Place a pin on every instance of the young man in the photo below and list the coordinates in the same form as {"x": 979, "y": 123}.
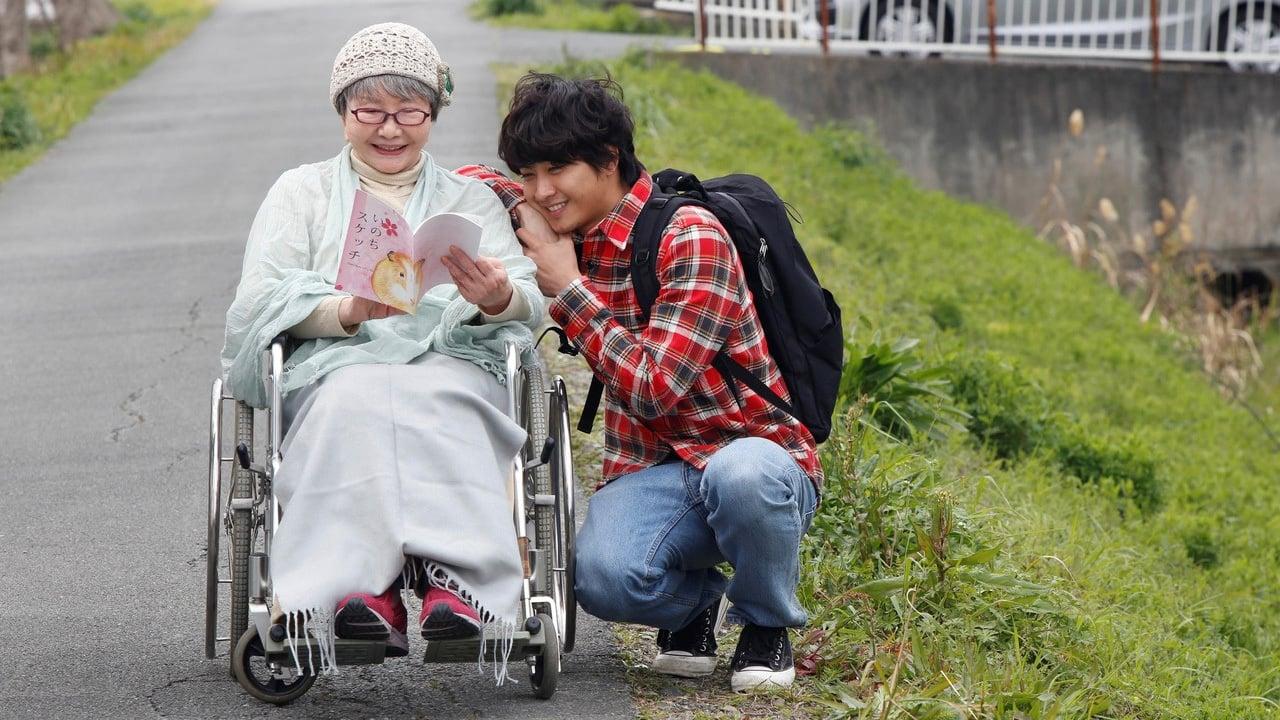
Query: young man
{"x": 696, "y": 473}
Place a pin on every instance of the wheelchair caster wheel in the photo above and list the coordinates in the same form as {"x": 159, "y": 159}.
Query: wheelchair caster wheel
{"x": 268, "y": 682}
{"x": 545, "y": 673}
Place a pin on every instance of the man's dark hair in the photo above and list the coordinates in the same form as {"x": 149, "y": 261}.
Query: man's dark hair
{"x": 558, "y": 120}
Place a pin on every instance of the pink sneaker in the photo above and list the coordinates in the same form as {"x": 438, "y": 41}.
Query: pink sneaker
{"x": 446, "y": 617}
{"x": 374, "y": 617}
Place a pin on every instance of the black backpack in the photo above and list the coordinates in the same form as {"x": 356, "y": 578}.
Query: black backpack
{"x": 801, "y": 320}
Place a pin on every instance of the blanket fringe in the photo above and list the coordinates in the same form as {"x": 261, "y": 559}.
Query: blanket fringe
{"x": 317, "y": 622}
{"x": 502, "y": 633}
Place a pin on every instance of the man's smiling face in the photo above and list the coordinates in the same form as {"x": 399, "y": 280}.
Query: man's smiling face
{"x": 573, "y": 196}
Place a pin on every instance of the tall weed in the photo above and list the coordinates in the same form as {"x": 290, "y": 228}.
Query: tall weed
{"x": 899, "y": 394}
{"x": 1165, "y": 273}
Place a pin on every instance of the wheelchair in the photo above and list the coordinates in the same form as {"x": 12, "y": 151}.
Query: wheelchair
{"x": 245, "y": 510}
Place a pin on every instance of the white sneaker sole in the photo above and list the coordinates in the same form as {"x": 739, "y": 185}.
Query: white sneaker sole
{"x": 681, "y": 664}
{"x": 761, "y": 678}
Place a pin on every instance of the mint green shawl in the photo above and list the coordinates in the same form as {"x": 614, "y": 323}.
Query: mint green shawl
{"x": 291, "y": 262}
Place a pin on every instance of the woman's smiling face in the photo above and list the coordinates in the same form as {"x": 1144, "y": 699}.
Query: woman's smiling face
{"x": 389, "y": 146}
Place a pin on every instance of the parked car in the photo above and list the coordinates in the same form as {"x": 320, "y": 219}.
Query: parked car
{"x": 1243, "y": 33}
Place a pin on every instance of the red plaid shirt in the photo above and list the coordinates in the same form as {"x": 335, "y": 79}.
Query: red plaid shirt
{"x": 662, "y": 394}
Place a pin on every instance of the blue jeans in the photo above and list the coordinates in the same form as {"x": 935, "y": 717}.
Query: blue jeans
{"x": 648, "y": 549}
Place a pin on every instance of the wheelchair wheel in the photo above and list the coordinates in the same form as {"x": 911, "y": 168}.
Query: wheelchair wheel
{"x": 565, "y": 519}
{"x": 275, "y": 684}
{"x": 241, "y": 529}
{"x": 544, "y": 675}
{"x": 533, "y": 399}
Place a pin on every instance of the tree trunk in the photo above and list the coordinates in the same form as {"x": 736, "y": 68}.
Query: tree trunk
{"x": 13, "y": 36}
{"x": 79, "y": 19}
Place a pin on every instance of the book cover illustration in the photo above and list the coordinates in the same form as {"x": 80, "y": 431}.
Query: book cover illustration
{"x": 383, "y": 261}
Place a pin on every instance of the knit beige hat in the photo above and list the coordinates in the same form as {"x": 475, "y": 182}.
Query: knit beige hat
{"x": 390, "y": 49}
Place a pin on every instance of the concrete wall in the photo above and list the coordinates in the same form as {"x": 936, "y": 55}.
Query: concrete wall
{"x": 991, "y": 133}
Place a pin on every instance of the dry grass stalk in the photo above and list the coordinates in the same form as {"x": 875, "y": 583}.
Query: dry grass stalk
{"x": 1169, "y": 279}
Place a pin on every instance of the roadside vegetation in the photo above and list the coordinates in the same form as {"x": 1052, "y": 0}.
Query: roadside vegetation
{"x": 38, "y": 106}
{"x": 588, "y": 15}
{"x": 1037, "y": 505}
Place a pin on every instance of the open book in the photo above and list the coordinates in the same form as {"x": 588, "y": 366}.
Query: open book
{"x": 383, "y": 261}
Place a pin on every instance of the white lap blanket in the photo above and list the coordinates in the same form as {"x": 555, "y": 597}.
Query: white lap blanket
{"x": 384, "y": 462}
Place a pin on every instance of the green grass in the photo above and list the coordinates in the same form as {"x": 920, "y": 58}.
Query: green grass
{"x": 588, "y": 15}
{"x": 1103, "y": 541}
{"x": 62, "y": 88}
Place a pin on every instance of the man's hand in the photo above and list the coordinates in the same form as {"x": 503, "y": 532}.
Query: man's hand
{"x": 552, "y": 253}
{"x": 355, "y": 310}
{"x": 483, "y": 282}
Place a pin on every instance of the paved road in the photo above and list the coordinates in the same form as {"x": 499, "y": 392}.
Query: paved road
{"x": 121, "y": 249}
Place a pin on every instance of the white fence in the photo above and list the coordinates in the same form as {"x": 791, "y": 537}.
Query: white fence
{"x": 1243, "y": 33}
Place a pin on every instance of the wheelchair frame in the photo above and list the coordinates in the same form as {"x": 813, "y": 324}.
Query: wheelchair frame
{"x": 542, "y": 483}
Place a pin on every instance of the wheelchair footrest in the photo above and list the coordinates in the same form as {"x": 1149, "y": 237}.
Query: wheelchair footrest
{"x": 468, "y": 649}
{"x": 349, "y": 652}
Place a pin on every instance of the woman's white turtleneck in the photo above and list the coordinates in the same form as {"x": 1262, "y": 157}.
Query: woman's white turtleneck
{"x": 394, "y": 189}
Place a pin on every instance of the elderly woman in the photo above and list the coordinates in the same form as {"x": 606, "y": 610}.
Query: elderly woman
{"x": 398, "y": 439}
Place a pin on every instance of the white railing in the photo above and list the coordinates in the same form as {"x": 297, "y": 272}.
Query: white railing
{"x": 1243, "y": 33}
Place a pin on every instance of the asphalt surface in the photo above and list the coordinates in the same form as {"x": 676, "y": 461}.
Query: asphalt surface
{"x": 120, "y": 250}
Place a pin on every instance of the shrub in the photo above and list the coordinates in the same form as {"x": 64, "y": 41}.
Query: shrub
{"x": 138, "y": 13}
{"x": 42, "y": 44}
{"x": 627, "y": 19}
{"x": 1007, "y": 412}
{"x": 1125, "y": 462}
{"x": 17, "y": 127}
{"x": 946, "y": 313}
{"x": 850, "y": 147}
{"x": 1201, "y": 548}
{"x": 497, "y": 8}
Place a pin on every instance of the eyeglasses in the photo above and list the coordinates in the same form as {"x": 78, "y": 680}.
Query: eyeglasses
{"x": 374, "y": 116}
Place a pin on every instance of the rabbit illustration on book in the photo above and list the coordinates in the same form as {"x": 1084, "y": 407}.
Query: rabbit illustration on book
{"x": 396, "y": 279}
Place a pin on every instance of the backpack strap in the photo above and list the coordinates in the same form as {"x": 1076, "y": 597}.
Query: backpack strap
{"x": 732, "y": 369}
{"x": 646, "y": 235}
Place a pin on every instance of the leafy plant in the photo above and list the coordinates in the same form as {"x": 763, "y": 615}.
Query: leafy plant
{"x": 901, "y": 396}
{"x": 1006, "y": 412}
{"x": 17, "y": 126}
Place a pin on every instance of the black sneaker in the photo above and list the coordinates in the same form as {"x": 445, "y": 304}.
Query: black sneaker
{"x": 691, "y": 650}
{"x": 762, "y": 660}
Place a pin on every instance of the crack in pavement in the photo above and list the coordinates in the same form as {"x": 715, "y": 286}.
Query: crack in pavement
{"x": 180, "y": 457}
{"x": 188, "y": 331}
{"x": 135, "y": 418}
{"x": 151, "y": 696}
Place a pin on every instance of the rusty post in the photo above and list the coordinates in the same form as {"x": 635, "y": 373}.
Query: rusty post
{"x": 1155, "y": 35}
{"x": 824, "y": 19}
{"x": 702, "y": 24}
{"x": 991, "y": 29}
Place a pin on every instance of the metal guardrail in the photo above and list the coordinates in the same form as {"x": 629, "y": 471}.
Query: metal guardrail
{"x": 1245, "y": 34}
